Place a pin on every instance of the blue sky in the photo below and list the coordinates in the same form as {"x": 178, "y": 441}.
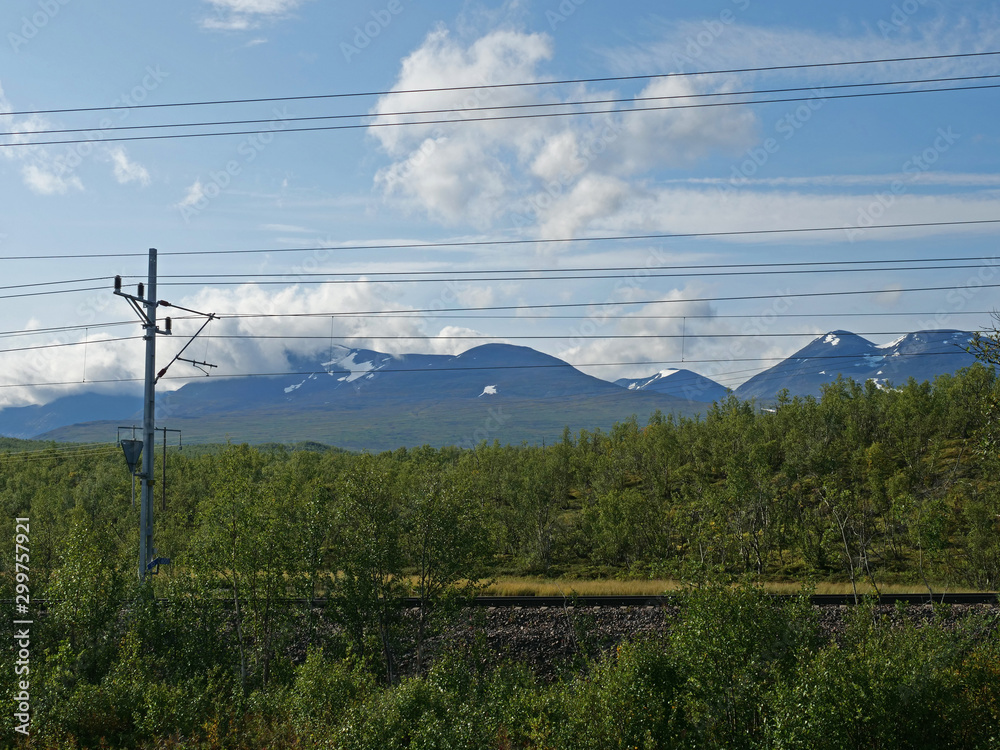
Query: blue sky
{"x": 821, "y": 162}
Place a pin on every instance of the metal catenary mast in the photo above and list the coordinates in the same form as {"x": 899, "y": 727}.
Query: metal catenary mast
{"x": 145, "y": 306}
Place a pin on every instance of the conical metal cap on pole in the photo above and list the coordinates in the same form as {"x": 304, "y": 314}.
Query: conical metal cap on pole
{"x": 132, "y": 450}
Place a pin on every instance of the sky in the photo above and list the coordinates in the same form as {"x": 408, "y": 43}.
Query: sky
{"x": 400, "y": 204}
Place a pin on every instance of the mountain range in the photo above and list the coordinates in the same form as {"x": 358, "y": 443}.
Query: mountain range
{"x": 922, "y": 356}
{"x": 364, "y": 399}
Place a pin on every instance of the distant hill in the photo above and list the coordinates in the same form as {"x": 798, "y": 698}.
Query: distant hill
{"x": 28, "y": 421}
{"x": 922, "y": 355}
{"x": 363, "y": 399}
{"x": 680, "y": 383}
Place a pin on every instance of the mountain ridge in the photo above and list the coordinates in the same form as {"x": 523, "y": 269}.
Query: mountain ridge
{"x": 442, "y": 398}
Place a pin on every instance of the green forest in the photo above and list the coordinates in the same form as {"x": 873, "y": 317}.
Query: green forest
{"x": 864, "y": 486}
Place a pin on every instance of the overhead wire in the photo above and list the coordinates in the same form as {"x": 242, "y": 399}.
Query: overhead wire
{"x": 494, "y": 118}
{"x": 515, "y": 242}
{"x": 529, "y": 336}
{"x": 521, "y": 84}
{"x": 64, "y": 344}
{"x": 558, "y": 269}
{"x": 311, "y": 278}
{"x": 619, "y": 303}
{"x": 593, "y": 239}
{"x": 488, "y": 108}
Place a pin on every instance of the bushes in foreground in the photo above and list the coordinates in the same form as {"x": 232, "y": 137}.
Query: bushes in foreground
{"x": 737, "y": 671}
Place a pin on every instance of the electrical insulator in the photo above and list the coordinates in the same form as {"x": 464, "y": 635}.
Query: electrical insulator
{"x": 118, "y": 283}
{"x": 142, "y": 288}
{"x": 167, "y": 324}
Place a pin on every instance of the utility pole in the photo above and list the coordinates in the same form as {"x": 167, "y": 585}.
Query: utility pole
{"x": 146, "y": 551}
{"x": 145, "y": 304}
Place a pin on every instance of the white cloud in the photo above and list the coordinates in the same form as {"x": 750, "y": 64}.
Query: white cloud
{"x": 241, "y": 15}
{"x": 257, "y": 7}
{"x": 455, "y": 340}
{"x": 195, "y": 194}
{"x": 126, "y": 170}
{"x": 45, "y": 182}
{"x": 949, "y": 179}
{"x": 680, "y": 137}
{"x": 272, "y": 354}
{"x": 591, "y": 200}
{"x": 460, "y": 173}
{"x": 661, "y": 339}
{"x": 282, "y": 228}
{"x": 228, "y": 23}
{"x": 658, "y": 209}
{"x": 488, "y": 173}
{"x": 674, "y": 46}
{"x": 564, "y": 176}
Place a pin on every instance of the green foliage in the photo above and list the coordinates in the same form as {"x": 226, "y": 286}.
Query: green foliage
{"x": 885, "y": 686}
{"x": 730, "y": 646}
{"x": 323, "y": 691}
{"x": 368, "y": 554}
{"x": 868, "y": 484}
{"x": 628, "y": 701}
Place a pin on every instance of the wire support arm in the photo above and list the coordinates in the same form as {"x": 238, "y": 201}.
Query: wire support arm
{"x": 209, "y": 317}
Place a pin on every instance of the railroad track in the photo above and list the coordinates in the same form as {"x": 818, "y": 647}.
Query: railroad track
{"x": 537, "y": 602}
{"x": 819, "y": 600}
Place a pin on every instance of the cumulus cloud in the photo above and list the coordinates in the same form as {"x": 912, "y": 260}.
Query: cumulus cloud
{"x": 677, "y": 329}
{"x": 126, "y": 170}
{"x": 265, "y": 344}
{"x": 500, "y": 172}
{"x": 463, "y": 172}
{"x": 680, "y": 137}
{"x": 565, "y": 176}
{"x": 247, "y": 344}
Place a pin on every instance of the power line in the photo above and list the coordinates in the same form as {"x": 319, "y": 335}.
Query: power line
{"x": 53, "y": 291}
{"x": 266, "y": 279}
{"x": 56, "y": 283}
{"x": 494, "y": 118}
{"x": 558, "y": 305}
{"x": 63, "y": 329}
{"x": 606, "y": 79}
{"x": 513, "y": 242}
{"x": 87, "y": 451}
{"x": 61, "y": 345}
{"x": 519, "y": 337}
{"x": 493, "y": 108}
{"x": 676, "y": 316}
{"x": 557, "y": 269}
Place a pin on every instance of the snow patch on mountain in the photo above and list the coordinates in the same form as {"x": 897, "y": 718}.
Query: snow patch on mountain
{"x": 355, "y": 369}
{"x": 295, "y": 387}
{"x": 894, "y": 343}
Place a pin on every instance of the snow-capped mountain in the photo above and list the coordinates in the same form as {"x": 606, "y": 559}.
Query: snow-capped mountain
{"x": 680, "y": 383}
{"x": 361, "y": 398}
{"x": 922, "y": 355}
